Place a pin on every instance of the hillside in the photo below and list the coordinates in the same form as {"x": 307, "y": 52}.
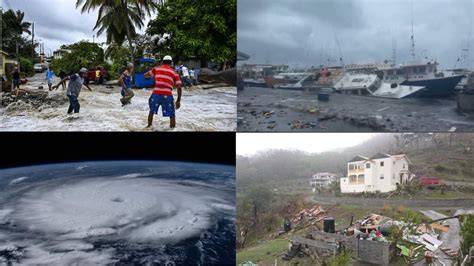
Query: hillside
{"x": 448, "y": 156}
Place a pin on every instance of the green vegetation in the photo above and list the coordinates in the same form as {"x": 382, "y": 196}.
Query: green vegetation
{"x": 26, "y": 67}
{"x": 83, "y": 54}
{"x": 262, "y": 212}
{"x": 467, "y": 233}
{"x": 265, "y": 252}
{"x": 13, "y": 30}
{"x": 119, "y": 56}
{"x": 343, "y": 259}
{"x": 119, "y": 18}
{"x": 192, "y": 29}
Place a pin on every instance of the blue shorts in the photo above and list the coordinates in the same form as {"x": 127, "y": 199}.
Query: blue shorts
{"x": 165, "y": 101}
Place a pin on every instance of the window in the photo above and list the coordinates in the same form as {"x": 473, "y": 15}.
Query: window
{"x": 381, "y": 164}
{"x": 393, "y": 162}
{"x": 351, "y": 167}
{"x": 367, "y": 165}
{"x": 403, "y": 166}
{"x": 360, "y": 179}
{"x": 381, "y": 176}
{"x": 352, "y": 179}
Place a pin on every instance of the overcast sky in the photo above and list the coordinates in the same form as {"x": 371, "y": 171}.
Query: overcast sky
{"x": 57, "y": 22}
{"x": 304, "y": 32}
{"x": 250, "y": 143}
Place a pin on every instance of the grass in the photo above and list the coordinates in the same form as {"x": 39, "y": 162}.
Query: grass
{"x": 449, "y": 164}
{"x": 264, "y": 253}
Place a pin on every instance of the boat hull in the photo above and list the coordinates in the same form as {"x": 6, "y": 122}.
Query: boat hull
{"x": 271, "y": 81}
{"x": 436, "y": 87}
{"x": 254, "y": 84}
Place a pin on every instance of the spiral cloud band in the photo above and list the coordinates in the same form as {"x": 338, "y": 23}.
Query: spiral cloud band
{"x": 138, "y": 210}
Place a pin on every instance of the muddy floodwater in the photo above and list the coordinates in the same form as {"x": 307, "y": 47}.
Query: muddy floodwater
{"x": 201, "y": 110}
{"x": 263, "y": 109}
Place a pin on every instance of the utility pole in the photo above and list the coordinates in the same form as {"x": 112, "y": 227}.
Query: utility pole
{"x": 17, "y": 55}
{"x": 33, "y": 43}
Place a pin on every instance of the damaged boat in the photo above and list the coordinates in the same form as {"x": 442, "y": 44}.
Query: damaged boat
{"x": 324, "y": 79}
{"x": 425, "y": 75}
{"x": 372, "y": 85}
{"x": 284, "y": 78}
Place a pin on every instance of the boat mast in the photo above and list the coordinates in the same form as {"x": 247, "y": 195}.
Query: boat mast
{"x": 466, "y": 50}
{"x": 394, "y": 52}
{"x": 412, "y": 34}
{"x": 340, "y": 52}
{"x": 464, "y": 58}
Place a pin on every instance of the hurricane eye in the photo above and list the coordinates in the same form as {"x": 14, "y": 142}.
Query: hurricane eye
{"x": 116, "y": 199}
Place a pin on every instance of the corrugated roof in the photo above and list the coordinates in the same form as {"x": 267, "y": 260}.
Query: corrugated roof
{"x": 380, "y": 156}
{"x": 358, "y": 158}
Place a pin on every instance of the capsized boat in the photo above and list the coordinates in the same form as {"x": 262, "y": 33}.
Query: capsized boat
{"x": 372, "y": 85}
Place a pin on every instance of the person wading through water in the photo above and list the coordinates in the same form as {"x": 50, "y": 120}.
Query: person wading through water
{"x": 126, "y": 82}
{"x": 76, "y": 81}
{"x": 166, "y": 78}
{"x": 49, "y": 77}
{"x": 15, "y": 79}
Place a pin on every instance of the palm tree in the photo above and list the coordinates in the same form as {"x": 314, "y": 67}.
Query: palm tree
{"x": 14, "y": 20}
{"x": 119, "y": 18}
{"x": 13, "y": 27}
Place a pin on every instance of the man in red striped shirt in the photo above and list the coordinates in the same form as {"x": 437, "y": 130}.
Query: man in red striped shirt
{"x": 166, "y": 78}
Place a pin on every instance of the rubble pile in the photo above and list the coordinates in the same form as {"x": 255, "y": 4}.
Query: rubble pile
{"x": 315, "y": 214}
{"x": 381, "y": 234}
{"x": 32, "y": 100}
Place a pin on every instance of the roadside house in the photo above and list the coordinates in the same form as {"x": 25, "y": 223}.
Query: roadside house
{"x": 58, "y": 54}
{"x": 381, "y": 172}
{"x": 323, "y": 179}
{"x": 6, "y": 64}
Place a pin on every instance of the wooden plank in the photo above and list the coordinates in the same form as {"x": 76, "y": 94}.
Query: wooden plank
{"x": 440, "y": 227}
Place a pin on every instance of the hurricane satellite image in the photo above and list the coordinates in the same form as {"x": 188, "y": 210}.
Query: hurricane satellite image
{"x": 151, "y": 212}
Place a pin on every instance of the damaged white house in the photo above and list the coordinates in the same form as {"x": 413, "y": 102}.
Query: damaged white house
{"x": 322, "y": 179}
{"x": 381, "y": 172}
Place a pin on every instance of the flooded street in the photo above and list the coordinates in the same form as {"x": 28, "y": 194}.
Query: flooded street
{"x": 262, "y": 109}
{"x": 201, "y": 110}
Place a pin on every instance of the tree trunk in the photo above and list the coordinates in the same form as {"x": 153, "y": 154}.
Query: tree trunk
{"x": 129, "y": 33}
{"x": 130, "y": 43}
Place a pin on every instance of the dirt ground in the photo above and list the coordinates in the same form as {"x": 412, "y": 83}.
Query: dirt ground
{"x": 201, "y": 110}
{"x": 262, "y": 109}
